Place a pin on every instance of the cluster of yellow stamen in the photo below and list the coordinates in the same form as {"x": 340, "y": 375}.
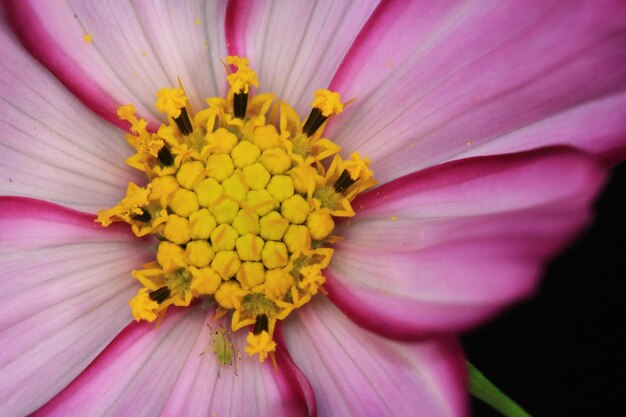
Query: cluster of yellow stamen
{"x": 242, "y": 202}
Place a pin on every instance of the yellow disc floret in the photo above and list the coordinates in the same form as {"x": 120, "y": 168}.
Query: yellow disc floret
{"x": 242, "y": 207}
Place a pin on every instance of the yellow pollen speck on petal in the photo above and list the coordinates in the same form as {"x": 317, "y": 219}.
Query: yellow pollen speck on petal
{"x": 260, "y": 344}
{"x": 88, "y": 38}
{"x": 393, "y": 218}
{"x": 198, "y": 21}
{"x": 241, "y": 198}
{"x": 328, "y": 102}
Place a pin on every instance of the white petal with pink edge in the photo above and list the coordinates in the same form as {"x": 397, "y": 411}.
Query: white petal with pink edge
{"x": 358, "y": 373}
{"x": 171, "y": 370}
{"x": 445, "y": 248}
{"x": 51, "y": 146}
{"x": 66, "y": 285}
{"x": 295, "y": 46}
{"x": 435, "y": 79}
{"x": 136, "y": 48}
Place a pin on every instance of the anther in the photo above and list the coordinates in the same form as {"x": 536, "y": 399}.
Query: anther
{"x": 315, "y": 120}
{"x": 160, "y": 295}
{"x": 165, "y": 156}
{"x": 145, "y": 216}
{"x": 183, "y": 122}
{"x": 261, "y": 324}
{"x": 240, "y": 104}
{"x": 343, "y": 182}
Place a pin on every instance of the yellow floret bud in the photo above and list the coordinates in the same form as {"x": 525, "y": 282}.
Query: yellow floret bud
{"x": 205, "y": 281}
{"x": 229, "y": 295}
{"x": 244, "y": 154}
{"x": 261, "y": 202}
{"x": 170, "y": 101}
{"x": 274, "y": 255}
{"x": 176, "y": 229}
{"x": 226, "y": 263}
{"x": 208, "y": 192}
{"x": 163, "y": 189}
{"x": 295, "y": 209}
{"x": 261, "y": 344}
{"x": 256, "y": 176}
{"x": 219, "y": 167}
{"x": 184, "y": 202}
{"x": 328, "y": 102}
{"x": 297, "y": 238}
{"x": 249, "y": 247}
{"x": 235, "y": 186}
{"x": 241, "y": 80}
{"x": 190, "y": 174}
{"x": 273, "y": 226}
{"x": 170, "y": 256}
{"x": 320, "y": 224}
{"x": 275, "y": 160}
{"x": 251, "y": 274}
{"x": 303, "y": 177}
{"x": 277, "y": 283}
{"x": 280, "y": 187}
{"x": 246, "y": 222}
{"x": 221, "y": 141}
{"x": 223, "y": 237}
{"x": 199, "y": 253}
{"x": 266, "y": 137}
{"x": 225, "y": 211}
{"x": 142, "y": 307}
{"x": 201, "y": 224}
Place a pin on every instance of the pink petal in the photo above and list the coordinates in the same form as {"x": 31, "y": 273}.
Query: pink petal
{"x": 51, "y": 146}
{"x": 295, "y": 47}
{"x": 170, "y": 370}
{"x": 137, "y": 48}
{"x": 445, "y": 248}
{"x": 437, "y": 79}
{"x": 66, "y": 285}
{"x": 358, "y": 373}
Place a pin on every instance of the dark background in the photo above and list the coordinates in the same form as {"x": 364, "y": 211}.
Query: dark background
{"x": 563, "y": 352}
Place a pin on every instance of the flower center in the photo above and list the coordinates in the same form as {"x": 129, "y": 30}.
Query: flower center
{"x": 243, "y": 210}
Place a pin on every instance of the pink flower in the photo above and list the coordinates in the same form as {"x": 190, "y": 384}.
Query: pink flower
{"x": 464, "y": 108}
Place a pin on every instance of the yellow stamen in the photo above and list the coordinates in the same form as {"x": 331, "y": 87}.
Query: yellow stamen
{"x": 241, "y": 80}
{"x": 328, "y": 102}
{"x": 260, "y": 344}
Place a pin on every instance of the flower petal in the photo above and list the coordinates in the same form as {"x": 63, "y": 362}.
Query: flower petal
{"x": 173, "y": 372}
{"x": 66, "y": 285}
{"x": 447, "y": 247}
{"x": 436, "y": 79}
{"x": 123, "y": 63}
{"x": 357, "y": 373}
{"x": 51, "y": 146}
{"x": 295, "y": 47}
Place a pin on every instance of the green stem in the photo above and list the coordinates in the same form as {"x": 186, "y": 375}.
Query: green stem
{"x": 483, "y": 389}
